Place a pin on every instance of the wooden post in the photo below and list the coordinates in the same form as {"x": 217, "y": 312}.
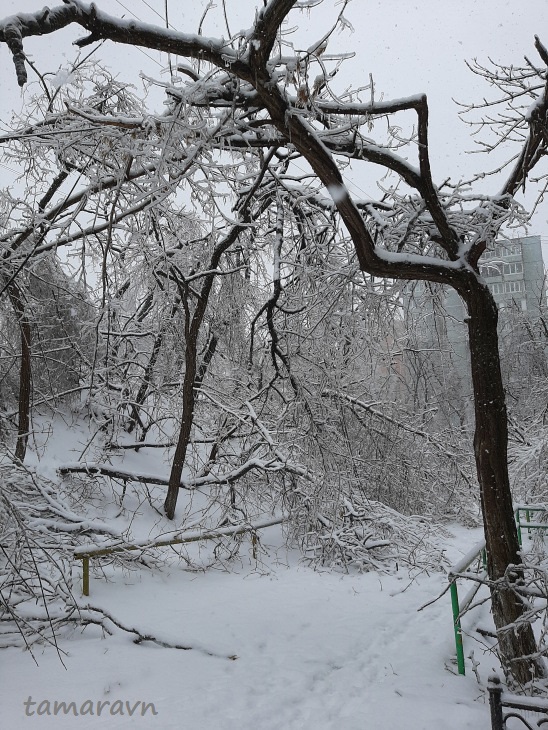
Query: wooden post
{"x": 85, "y": 575}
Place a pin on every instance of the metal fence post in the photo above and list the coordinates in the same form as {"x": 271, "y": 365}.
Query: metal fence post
{"x": 495, "y": 702}
{"x": 457, "y": 627}
{"x": 518, "y": 525}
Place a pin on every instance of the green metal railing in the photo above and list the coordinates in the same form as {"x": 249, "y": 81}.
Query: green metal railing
{"x": 459, "y": 571}
{"x": 529, "y": 509}
{"x": 86, "y": 552}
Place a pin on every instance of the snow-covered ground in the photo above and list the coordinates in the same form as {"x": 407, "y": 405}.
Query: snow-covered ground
{"x": 314, "y": 650}
{"x": 275, "y": 645}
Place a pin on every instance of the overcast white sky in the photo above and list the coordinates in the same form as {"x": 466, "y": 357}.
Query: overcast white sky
{"x": 408, "y": 47}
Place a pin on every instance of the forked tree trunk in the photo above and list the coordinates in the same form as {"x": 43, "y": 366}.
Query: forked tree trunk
{"x": 517, "y": 645}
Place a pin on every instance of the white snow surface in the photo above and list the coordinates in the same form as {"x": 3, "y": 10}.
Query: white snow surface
{"x": 314, "y": 649}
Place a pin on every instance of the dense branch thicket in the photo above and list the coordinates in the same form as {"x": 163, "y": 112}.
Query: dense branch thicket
{"x": 242, "y": 294}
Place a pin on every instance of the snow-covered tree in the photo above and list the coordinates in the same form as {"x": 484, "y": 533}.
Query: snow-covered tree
{"x": 269, "y": 100}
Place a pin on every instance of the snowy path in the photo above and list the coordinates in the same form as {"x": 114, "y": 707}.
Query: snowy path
{"x": 315, "y": 651}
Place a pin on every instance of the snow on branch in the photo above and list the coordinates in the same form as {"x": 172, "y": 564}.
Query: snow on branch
{"x": 175, "y": 537}
{"x": 101, "y": 26}
{"x": 266, "y": 465}
{"x": 372, "y": 108}
{"x": 266, "y": 29}
{"x": 38, "y": 531}
{"x": 297, "y": 125}
{"x": 17, "y": 27}
{"x": 364, "y": 534}
{"x": 89, "y": 615}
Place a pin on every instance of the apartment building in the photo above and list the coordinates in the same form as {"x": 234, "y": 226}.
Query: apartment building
{"x": 514, "y": 271}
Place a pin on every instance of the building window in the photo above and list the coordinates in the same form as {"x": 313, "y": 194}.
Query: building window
{"x": 511, "y": 287}
{"x": 516, "y": 267}
{"x": 491, "y": 270}
{"x": 496, "y": 269}
{"x": 502, "y": 251}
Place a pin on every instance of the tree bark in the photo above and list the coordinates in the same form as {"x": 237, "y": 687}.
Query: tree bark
{"x": 25, "y": 372}
{"x": 516, "y": 644}
{"x": 193, "y": 324}
{"x": 145, "y": 386}
{"x": 183, "y": 441}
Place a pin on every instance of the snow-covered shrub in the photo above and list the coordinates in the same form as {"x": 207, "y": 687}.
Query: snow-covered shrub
{"x": 39, "y": 530}
{"x": 35, "y": 562}
{"x": 354, "y": 532}
{"x": 528, "y": 460}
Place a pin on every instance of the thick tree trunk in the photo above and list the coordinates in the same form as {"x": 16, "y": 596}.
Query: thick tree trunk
{"x": 517, "y": 645}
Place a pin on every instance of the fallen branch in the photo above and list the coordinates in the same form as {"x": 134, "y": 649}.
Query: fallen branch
{"x": 271, "y": 465}
{"x": 140, "y": 637}
{"x": 175, "y": 538}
